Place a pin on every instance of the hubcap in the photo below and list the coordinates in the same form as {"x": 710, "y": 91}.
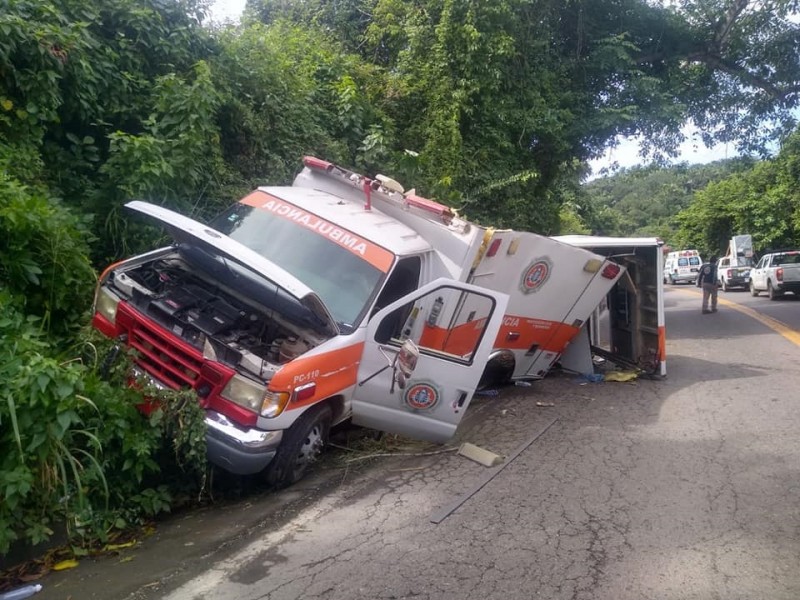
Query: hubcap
{"x": 311, "y": 448}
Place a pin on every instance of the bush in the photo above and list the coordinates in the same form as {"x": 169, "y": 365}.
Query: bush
{"x": 44, "y": 253}
{"x": 75, "y": 449}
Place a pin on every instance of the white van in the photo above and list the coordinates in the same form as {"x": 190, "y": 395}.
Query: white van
{"x": 682, "y": 266}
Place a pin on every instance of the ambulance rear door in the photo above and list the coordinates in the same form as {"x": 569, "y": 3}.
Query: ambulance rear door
{"x": 423, "y": 357}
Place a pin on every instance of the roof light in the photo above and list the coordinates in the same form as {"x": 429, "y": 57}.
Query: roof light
{"x": 313, "y": 162}
{"x": 429, "y": 205}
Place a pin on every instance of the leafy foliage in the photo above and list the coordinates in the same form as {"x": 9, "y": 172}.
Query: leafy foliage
{"x": 763, "y": 201}
{"x": 43, "y": 256}
{"x": 643, "y": 201}
{"x": 75, "y": 449}
{"x": 501, "y": 98}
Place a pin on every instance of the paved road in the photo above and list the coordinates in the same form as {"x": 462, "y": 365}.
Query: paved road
{"x": 785, "y": 309}
{"x": 682, "y": 488}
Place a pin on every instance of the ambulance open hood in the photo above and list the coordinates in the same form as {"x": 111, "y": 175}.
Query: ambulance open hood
{"x": 184, "y": 229}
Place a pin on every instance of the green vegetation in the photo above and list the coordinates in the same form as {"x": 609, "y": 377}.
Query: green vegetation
{"x": 702, "y": 206}
{"x": 644, "y": 201}
{"x": 763, "y": 201}
{"x": 492, "y": 106}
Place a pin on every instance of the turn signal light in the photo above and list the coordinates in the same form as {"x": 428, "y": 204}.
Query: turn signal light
{"x": 304, "y": 392}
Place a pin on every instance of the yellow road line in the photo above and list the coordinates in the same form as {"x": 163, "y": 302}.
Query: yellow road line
{"x": 776, "y": 326}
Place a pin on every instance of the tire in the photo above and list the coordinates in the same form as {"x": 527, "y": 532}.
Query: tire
{"x": 498, "y": 371}
{"x": 301, "y": 446}
{"x": 753, "y": 290}
{"x": 772, "y": 292}
{"x": 725, "y": 287}
{"x": 671, "y": 280}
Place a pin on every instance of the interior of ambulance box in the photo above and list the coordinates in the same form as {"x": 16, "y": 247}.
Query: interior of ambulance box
{"x": 626, "y": 331}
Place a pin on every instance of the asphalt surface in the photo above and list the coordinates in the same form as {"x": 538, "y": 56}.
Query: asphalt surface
{"x": 681, "y": 488}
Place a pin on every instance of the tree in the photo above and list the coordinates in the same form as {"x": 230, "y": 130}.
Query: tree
{"x": 763, "y": 201}
{"x": 500, "y": 98}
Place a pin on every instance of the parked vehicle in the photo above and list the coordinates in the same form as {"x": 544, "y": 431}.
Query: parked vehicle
{"x": 341, "y": 297}
{"x": 682, "y": 266}
{"x": 776, "y": 273}
{"x": 733, "y": 269}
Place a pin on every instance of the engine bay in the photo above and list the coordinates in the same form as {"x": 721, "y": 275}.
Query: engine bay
{"x": 216, "y": 319}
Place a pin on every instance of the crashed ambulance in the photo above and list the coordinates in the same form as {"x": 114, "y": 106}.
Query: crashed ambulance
{"x": 341, "y": 297}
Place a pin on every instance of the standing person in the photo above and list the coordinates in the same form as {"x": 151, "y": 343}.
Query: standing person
{"x": 707, "y": 279}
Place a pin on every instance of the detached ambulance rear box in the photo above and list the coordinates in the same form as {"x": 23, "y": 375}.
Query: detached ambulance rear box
{"x": 631, "y": 332}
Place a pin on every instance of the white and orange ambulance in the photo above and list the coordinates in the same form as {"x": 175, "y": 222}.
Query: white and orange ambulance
{"x": 342, "y": 297}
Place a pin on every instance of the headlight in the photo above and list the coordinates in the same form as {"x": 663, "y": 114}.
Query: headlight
{"x": 244, "y": 392}
{"x": 107, "y": 304}
{"x": 274, "y": 403}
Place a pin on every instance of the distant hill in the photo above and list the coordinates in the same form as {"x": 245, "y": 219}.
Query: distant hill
{"x": 643, "y": 201}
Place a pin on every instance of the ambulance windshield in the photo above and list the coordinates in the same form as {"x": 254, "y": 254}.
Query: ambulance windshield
{"x": 344, "y": 281}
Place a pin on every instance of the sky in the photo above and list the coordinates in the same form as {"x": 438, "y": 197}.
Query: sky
{"x": 222, "y": 10}
{"x": 626, "y": 154}
{"x": 692, "y": 151}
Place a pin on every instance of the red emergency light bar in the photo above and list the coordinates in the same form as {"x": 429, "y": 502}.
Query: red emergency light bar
{"x": 317, "y": 163}
{"x": 445, "y": 213}
{"x": 430, "y": 205}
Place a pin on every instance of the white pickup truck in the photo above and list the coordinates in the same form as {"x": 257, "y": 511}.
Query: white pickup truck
{"x": 776, "y": 273}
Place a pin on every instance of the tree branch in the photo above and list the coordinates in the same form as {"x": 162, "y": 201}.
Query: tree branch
{"x": 726, "y": 23}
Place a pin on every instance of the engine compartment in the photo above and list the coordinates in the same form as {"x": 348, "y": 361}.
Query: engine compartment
{"x": 214, "y": 318}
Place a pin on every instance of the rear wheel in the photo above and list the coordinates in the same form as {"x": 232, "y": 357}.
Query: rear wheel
{"x": 772, "y": 292}
{"x": 300, "y": 448}
{"x": 498, "y": 371}
{"x": 725, "y": 287}
{"x": 753, "y": 290}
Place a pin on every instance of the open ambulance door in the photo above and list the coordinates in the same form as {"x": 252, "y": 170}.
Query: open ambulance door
{"x": 423, "y": 357}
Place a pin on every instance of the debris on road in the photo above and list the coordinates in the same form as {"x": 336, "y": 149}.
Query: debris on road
{"x": 480, "y": 455}
{"x": 621, "y": 375}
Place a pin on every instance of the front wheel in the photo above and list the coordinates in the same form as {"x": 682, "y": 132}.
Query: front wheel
{"x": 725, "y": 287}
{"x": 753, "y": 290}
{"x": 300, "y": 447}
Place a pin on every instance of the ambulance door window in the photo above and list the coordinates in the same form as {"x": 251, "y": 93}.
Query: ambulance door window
{"x": 447, "y": 323}
{"x": 403, "y": 280}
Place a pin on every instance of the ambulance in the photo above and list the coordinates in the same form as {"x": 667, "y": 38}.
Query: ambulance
{"x": 682, "y": 266}
{"x": 341, "y": 297}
